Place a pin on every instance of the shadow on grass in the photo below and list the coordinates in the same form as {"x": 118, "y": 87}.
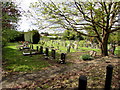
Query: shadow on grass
{"x": 13, "y": 60}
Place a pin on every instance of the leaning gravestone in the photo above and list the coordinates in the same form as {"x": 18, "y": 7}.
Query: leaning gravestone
{"x": 93, "y": 53}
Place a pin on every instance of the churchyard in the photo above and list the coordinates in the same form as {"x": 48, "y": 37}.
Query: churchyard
{"x": 59, "y": 45}
{"x": 47, "y": 71}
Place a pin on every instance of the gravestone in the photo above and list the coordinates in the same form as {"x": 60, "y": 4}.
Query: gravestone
{"x": 68, "y": 48}
{"x": 37, "y": 48}
{"x": 93, "y": 53}
{"x": 41, "y": 49}
{"x": 53, "y": 53}
{"x": 76, "y": 47}
{"x": 62, "y": 60}
{"x": 46, "y": 53}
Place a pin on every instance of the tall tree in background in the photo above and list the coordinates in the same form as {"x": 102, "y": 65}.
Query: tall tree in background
{"x": 98, "y": 19}
{"x": 10, "y": 15}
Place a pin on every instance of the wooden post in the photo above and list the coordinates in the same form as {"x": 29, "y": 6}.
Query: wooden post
{"x": 109, "y": 71}
{"x": 82, "y": 83}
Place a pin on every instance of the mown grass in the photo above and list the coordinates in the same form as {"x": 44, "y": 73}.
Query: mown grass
{"x": 15, "y": 61}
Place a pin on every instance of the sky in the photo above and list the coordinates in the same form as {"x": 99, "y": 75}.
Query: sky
{"x": 25, "y": 23}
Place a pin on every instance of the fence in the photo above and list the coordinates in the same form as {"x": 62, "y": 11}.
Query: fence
{"x": 83, "y": 79}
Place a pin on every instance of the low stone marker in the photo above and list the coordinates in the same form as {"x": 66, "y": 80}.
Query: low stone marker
{"x": 93, "y": 53}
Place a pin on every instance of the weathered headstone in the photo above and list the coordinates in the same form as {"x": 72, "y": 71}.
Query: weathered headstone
{"x": 76, "y": 47}
{"x": 37, "y": 48}
{"x": 68, "y": 48}
{"x": 53, "y": 53}
{"x": 46, "y": 53}
{"x": 93, "y": 53}
{"x": 62, "y": 60}
{"x": 32, "y": 46}
{"x": 41, "y": 49}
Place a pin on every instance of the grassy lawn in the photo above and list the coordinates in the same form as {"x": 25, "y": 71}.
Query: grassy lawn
{"x": 15, "y": 61}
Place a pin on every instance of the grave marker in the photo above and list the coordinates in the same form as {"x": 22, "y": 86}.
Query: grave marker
{"x": 37, "y": 48}
{"x": 32, "y": 47}
{"x": 62, "y": 60}
{"x": 41, "y": 49}
{"x": 53, "y": 53}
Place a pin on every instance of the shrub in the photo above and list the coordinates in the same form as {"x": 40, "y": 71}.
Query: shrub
{"x": 4, "y": 42}
{"x": 18, "y": 38}
{"x": 86, "y": 57}
{"x": 36, "y": 37}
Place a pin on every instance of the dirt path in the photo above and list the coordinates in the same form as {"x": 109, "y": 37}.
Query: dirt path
{"x": 65, "y": 76}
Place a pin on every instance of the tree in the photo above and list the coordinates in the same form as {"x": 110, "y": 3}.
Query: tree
{"x": 113, "y": 40}
{"x": 98, "y": 19}
{"x": 36, "y": 37}
{"x": 70, "y": 35}
{"x": 10, "y": 16}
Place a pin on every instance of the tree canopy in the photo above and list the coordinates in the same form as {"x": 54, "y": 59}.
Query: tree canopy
{"x": 98, "y": 19}
{"x": 10, "y": 16}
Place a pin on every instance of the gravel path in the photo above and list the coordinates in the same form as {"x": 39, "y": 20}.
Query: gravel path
{"x": 57, "y": 76}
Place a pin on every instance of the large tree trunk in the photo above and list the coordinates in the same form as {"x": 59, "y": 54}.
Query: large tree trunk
{"x": 104, "y": 47}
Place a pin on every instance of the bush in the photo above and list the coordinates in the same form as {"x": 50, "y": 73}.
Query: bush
{"x": 36, "y": 37}
{"x": 4, "y": 42}
{"x": 86, "y": 57}
{"x": 19, "y": 38}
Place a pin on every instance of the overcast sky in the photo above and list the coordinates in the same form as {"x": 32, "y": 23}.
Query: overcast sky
{"x": 25, "y": 23}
